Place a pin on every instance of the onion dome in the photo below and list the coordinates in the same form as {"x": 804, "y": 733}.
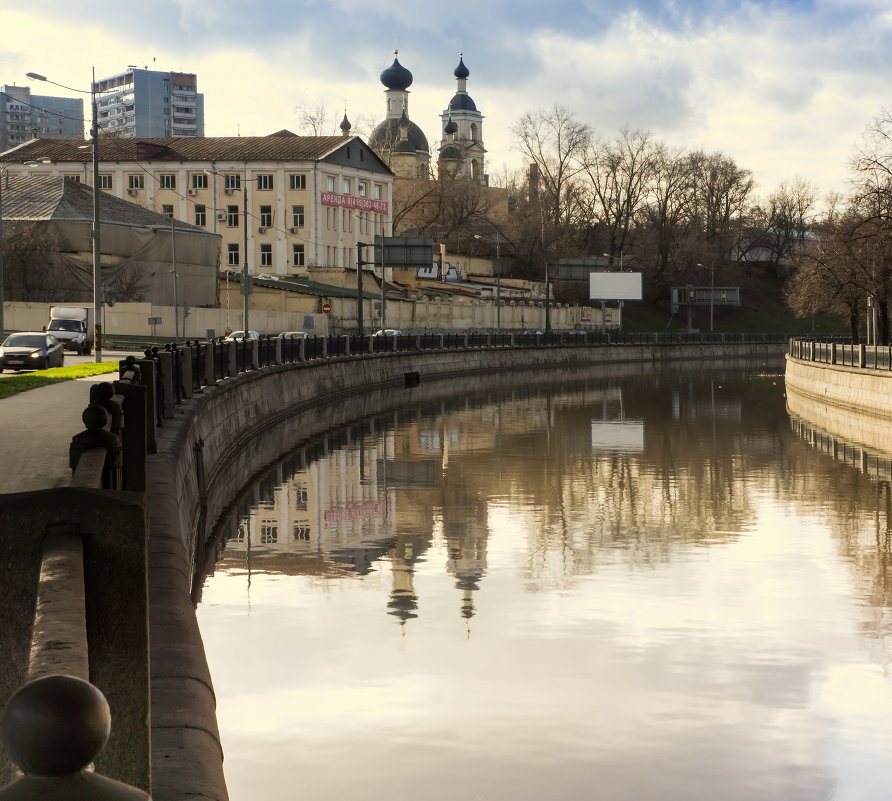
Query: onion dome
{"x": 345, "y": 125}
{"x": 451, "y": 153}
{"x": 450, "y": 127}
{"x": 396, "y": 76}
{"x": 461, "y": 101}
{"x": 461, "y": 71}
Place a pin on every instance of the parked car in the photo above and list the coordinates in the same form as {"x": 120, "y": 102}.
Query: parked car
{"x": 241, "y": 335}
{"x": 31, "y": 350}
{"x": 388, "y": 332}
{"x": 294, "y": 335}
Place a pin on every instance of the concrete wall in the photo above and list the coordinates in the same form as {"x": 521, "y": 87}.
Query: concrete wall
{"x": 852, "y": 403}
{"x": 852, "y": 388}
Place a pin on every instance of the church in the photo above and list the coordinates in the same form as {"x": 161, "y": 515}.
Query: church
{"x": 403, "y": 145}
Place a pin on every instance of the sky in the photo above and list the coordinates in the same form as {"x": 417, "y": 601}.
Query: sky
{"x": 784, "y": 87}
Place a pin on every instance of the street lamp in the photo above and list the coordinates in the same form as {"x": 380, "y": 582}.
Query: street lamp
{"x": 498, "y": 281}
{"x": 243, "y": 188}
{"x": 5, "y": 179}
{"x": 711, "y": 268}
{"x": 97, "y": 248}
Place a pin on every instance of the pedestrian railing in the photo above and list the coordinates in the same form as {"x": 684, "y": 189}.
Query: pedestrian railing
{"x": 840, "y": 351}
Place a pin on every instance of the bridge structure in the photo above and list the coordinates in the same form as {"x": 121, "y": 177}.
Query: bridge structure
{"x": 103, "y": 660}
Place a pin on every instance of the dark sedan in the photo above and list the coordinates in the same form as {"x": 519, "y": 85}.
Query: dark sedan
{"x": 31, "y": 350}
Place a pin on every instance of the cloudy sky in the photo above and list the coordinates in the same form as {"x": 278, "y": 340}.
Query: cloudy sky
{"x": 786, "y": 88}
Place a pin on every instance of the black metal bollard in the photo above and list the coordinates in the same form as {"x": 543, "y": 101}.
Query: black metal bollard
{"x": 96, "y": 436}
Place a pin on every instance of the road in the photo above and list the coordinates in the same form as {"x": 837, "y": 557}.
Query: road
{"x": 72, "y": 358}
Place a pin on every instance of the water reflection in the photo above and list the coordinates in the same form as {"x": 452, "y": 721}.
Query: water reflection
{"x": 645, "y": 587}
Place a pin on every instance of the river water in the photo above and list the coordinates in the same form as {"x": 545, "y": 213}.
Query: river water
{"x": 627, "y": 587}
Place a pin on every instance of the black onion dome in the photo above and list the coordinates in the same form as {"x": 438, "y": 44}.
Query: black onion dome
{"x": 345, "y": 123}
{"x": 462, "y": 102}
{"x": 387, "y": 134}
{"x": 451, "y": 152}
{"x": 403, "y": 146}
{"x": 461, "y": 71}
{"x": 396, "y": 76}
{"x": 450, "y": 127}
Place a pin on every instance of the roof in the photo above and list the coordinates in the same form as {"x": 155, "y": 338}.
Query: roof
{"x": 49, "y": 198}
{"x": 387, "y": 134}
{"x": 304, "y": 285}
{"x": 280, "y": 146}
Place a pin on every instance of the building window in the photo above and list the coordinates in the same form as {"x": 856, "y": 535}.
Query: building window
{"x": 362, "y": 189}
{"x": 200, "y": 214}
{"x": 167, "y": 209}
{"x": 75, "y": 178}
{"x": 379, "y": 192}
{"x": 268, "y": 534}
{"x": 199, "y": 180}
{"x": 167, "y": 181}
{"x": 266, "y": 216}
{"x": 135, "y": 182}
{"x": 297, "y": 216}
{"x": 298, "y": 182}
{"x": 265, "y": 181}
{"x": 232, "y": 216}
{"x": 301, "y": 533}
{"x": 345, "y": 186}
{"x": 232, "y": 258}
{"x": 232, "y": 181}
{"x": 266, "y": 255}
{"x": 329, "y": 183}
{"x": 297, "y": 255}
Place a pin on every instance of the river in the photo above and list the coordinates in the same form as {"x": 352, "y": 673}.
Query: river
{"x": 623, "y": 587}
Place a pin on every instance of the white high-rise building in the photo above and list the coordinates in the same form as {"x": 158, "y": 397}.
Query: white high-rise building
{"x": 24, "y": 116}
{"x": 149, "y": 104}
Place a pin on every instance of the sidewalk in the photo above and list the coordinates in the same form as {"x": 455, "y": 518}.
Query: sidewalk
{"x": 36, "y": 428}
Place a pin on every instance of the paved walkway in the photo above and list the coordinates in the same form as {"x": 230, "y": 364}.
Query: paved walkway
{"x": 36, "y": 428}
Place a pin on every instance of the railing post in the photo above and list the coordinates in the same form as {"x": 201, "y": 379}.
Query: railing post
{"x": 165, "y": 365}
{"x": 279, "y": 344}
{"x": 210, "y": 363}
{"x": 346, "y": 338}
{"x": 186, "y": 371}
{"x": 862, "y": 356}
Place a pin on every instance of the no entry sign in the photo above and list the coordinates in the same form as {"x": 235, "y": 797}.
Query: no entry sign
{"x": 326, "y": 308}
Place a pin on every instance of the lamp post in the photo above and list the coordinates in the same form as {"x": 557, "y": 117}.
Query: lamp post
{"x": 97, "y": 247}
{"x": 498, "y": 282}
{"x": 4, "y": 174}
{"x": 711, "y": 268}
{"x": 243, "y": 188}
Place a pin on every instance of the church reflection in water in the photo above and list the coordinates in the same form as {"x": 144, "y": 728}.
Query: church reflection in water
{"x": 566, "y": 467}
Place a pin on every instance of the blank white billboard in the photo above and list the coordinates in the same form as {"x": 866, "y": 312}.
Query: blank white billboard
{"x": 615, "y": 286}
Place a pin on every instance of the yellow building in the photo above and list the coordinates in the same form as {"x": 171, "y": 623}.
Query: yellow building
{"x": 307, "y": 200}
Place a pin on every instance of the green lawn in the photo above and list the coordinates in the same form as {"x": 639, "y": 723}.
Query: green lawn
{"x": 41, "y": 378}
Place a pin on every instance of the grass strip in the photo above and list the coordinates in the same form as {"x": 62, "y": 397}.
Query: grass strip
{"x": 42, "y": 378}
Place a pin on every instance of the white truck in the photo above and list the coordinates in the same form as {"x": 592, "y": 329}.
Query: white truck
{"x": 73, "y": 327}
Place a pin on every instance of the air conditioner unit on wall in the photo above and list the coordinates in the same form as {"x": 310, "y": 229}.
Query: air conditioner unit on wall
{"x": 227, "y": 191}
{"x": 221, "y": 215}
{"x": 192, "y": 191}
{"x": 131, "y": 191}
{"x": 262, "y": 229}
{"x": 294, "y": 230}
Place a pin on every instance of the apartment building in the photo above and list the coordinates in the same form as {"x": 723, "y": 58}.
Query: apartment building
{"x": 284, "y": 203}
{"x": 149, "y": 103}
{"x": 24, "y": 116}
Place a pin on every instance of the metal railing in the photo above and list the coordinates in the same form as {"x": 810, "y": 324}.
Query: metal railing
{"x": 841, "y": 351}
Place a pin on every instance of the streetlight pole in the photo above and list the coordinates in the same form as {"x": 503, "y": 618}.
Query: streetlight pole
{"x": 711, "y": 269}
{"x": 97, "y": 245}
{"x": 498, "y": 280}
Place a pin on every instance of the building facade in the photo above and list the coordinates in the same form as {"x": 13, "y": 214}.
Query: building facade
{"x": 24, "y": 116}
{"x": 307, "y": 200}
{"x": 149, "y": 103}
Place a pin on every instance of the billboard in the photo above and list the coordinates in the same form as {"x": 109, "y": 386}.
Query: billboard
{"x": 615, "y": 286}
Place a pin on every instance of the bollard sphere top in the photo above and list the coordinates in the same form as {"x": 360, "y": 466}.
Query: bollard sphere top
{"x": 55, "y": 725}
{"x": 94, "y": 416}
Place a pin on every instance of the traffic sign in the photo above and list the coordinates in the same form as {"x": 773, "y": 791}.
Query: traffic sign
{"x": 326, "y": 308}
